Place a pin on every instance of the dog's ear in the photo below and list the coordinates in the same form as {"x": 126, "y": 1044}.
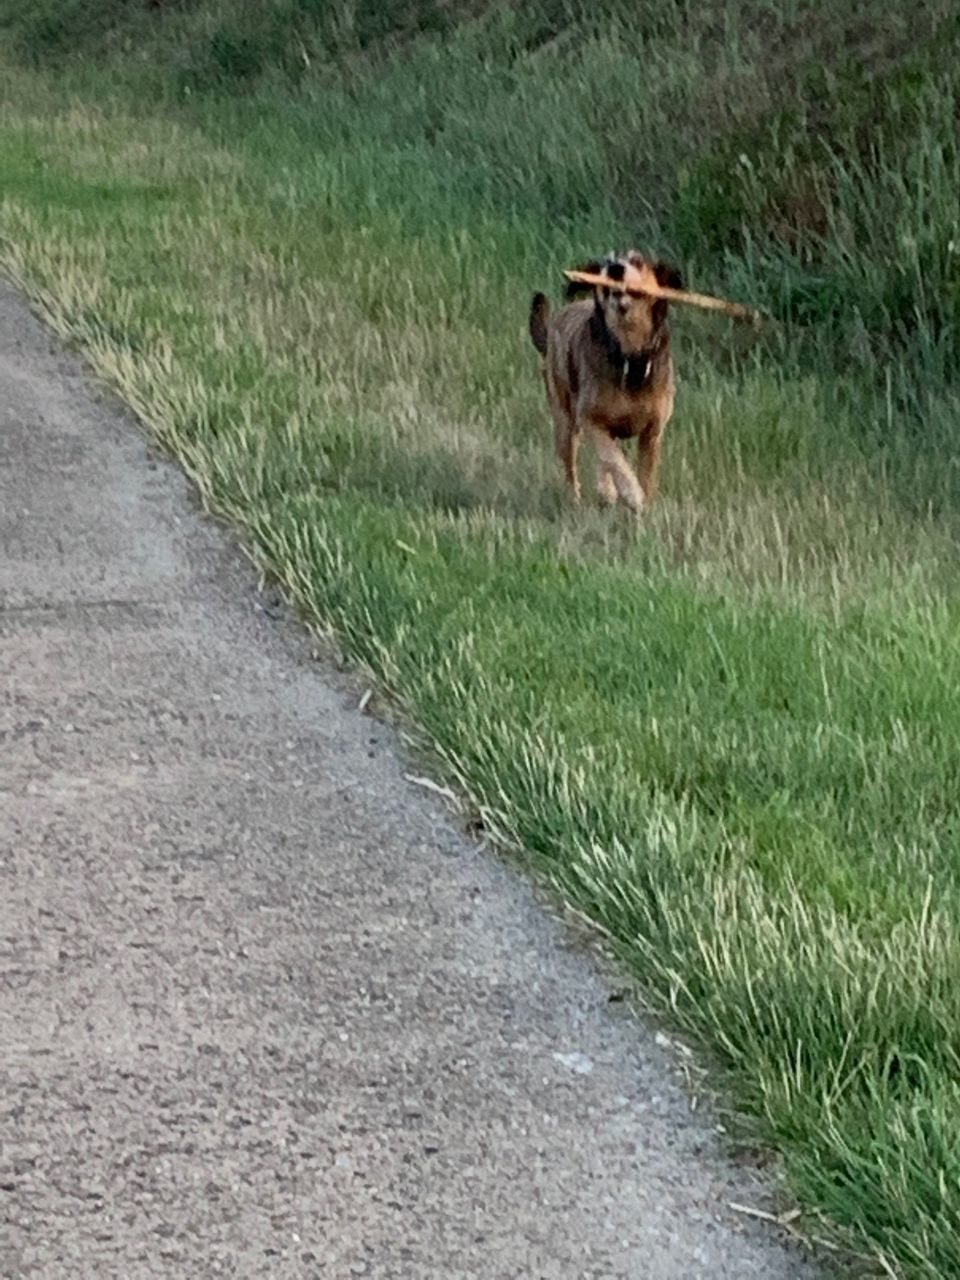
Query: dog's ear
{"x": 574, "y": 287}
{"x": 668, "y": 275}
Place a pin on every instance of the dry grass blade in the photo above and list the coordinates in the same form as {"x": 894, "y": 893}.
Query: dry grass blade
{"x": 779, "y": 1219}
{"x": 429, "y": 785}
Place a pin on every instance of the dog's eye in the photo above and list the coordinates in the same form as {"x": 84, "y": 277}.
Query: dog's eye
{"x": 615, "y": 270}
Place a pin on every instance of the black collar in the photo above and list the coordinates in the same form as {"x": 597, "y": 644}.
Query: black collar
{"x": 635, "y": 371}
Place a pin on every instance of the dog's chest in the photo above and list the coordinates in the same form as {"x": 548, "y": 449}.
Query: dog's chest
{"x": 623, "y": 410}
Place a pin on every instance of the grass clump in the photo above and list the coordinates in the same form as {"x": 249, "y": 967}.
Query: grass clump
{"x": 733, "y": 738}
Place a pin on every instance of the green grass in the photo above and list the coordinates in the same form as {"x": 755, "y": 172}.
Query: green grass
{"x": 732, "y": 738}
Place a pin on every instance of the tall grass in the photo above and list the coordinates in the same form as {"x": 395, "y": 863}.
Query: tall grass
{"x": 731, "y": 738}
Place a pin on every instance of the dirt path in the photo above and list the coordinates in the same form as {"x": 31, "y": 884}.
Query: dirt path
{"x": 265, "y": 1012}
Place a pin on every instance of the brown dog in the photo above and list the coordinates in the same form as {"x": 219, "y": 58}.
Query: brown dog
{"x": 609, "y": 374}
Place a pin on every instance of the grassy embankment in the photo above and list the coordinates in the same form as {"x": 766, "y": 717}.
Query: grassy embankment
{"x": 302, "y": 248}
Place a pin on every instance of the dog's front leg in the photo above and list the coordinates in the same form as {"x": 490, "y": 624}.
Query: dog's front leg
{"x": 615, "y": 469}
{"x": 606, "y": 485}
{"x": 649, "y": 443}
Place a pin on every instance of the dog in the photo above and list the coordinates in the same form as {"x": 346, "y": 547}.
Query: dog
{"x": 609, "y": 375}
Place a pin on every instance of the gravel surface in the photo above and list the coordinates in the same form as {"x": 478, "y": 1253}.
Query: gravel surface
{"x": 265, "y": 1011}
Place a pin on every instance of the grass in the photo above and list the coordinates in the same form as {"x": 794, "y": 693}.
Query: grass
{"x": 733, "y": 738}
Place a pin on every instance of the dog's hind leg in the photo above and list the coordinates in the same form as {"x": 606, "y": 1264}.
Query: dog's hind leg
{"x": 568, "y": 443}
{"x": 567, "y": 446}
{"x": 566, "y": 437}
{"x": 615, "y": 465}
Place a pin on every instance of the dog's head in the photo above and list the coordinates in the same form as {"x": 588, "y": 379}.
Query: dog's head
{"x": 634, "y": 322}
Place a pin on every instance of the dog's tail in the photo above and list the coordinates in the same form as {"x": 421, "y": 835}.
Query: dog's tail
{"x": 539, "y": 315}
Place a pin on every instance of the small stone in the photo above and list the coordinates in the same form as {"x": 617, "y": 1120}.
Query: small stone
{"x": 577, "y": 1062}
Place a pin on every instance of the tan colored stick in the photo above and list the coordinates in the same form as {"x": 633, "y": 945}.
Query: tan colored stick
{"x": 640, "y": 281}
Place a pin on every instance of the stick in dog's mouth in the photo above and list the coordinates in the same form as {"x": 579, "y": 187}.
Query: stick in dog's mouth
{"x": 641, "y": 280}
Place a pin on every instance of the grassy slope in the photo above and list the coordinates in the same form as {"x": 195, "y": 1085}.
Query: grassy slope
{"x": 733, "y": 739}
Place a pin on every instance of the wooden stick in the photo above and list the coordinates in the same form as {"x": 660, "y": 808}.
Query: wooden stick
{"x": 642, "y": 281}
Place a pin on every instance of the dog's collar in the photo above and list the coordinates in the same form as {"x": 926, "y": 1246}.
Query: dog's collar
{"x": 636, "y": 371}
{"x": 632, "y": 370}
